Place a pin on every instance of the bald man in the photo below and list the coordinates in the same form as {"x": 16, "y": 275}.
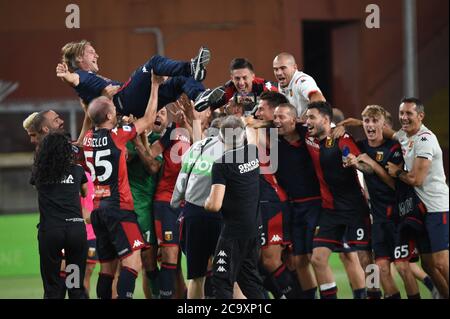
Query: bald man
{"x": 298, "y": 87}
{"x": 113, "y": 218}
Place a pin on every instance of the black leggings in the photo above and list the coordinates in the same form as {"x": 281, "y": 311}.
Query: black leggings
{"x": 73, "y": 239}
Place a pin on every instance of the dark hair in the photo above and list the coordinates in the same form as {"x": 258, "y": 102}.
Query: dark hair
{"x": 323, "y": 107}
{"x": 420, "y": 108}
{"x": 273, "y": 98}
{"x": 53, "y": 159}
{"x": 241, "y": 63}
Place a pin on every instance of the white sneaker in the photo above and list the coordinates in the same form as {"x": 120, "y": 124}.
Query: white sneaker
{"x": 208, "y": 97}
{"x": 198, "y": 64}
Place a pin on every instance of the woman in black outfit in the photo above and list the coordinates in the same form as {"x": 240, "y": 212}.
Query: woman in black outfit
{"x": 61, "y": 226}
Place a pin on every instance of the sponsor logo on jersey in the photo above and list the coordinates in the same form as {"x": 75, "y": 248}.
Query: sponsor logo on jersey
{"x": 379, "y": 156}
{"x": 275, "y": 238}
{"x": 68, "y": 180}
{"x": 221, "y": 269}
{"x": 329, "y": 143}
{"x": 248, "y": 167}
{"x": 168, "y": 236}
{"x": 137, "y": 243}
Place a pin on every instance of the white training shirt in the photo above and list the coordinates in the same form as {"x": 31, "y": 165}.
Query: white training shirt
{"x": 434, "y": 191}
{"x": 299, "y": 90}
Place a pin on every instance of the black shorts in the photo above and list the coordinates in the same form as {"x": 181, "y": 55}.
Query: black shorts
{"x": 117, "y": 233}
{"x": 304, "y": 219}
{"x": 167, "y": 226}
{"x": 342, "y": 230}
{"x": 201, "y": 233}
{"x": 276, "y": 223}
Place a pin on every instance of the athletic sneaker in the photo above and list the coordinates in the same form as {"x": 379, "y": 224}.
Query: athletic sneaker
{"x": 208, "y": 97}
{"x": 198, "y": 64}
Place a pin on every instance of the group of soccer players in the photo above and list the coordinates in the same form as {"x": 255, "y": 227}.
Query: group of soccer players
{"x": 150, "y": 146}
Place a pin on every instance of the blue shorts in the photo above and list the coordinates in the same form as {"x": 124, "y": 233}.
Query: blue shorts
{"x": 391, "y": 243}
{"x": 436, "y": 233}
{"x": 276, "y": 223}
{"x": 166, "y": 224}
{"x": 200, "y": 235}
{"x": 304, "y": 219}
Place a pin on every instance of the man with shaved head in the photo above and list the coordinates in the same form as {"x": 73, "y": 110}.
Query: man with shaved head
{"x": 298, "y": 87}
{"x": 114, "y": 219}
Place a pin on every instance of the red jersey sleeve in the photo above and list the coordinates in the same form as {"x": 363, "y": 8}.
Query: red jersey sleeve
{"x": 121, "y": 135}
{"x": 347, "y": 140}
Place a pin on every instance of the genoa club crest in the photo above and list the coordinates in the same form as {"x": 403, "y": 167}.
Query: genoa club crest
{"x": 168, "y": 236}
{"x": 379, "y": 156}
{"x": 329, "y": 143}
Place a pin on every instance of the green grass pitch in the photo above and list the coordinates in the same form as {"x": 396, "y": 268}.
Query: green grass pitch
{"x": 19, "y": 263}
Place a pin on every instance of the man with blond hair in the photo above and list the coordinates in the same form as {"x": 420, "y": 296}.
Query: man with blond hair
{"x": 79, "y": 67}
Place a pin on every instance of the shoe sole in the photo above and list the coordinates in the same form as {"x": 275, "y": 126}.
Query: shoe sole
{"x": 204, "y": 56}
{"x": 215, "y": 95}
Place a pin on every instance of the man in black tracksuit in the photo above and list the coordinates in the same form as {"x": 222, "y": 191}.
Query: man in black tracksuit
{"x": 235, "y": 190}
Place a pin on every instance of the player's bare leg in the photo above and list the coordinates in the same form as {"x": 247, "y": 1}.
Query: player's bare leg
{"x": 324, "y": 275}
{"x": 365, "y": 259}
{"x": 424, "y": 278}
{"x": 355, "y": 273}
{"x": 237, "y": 292}
{"x": 195, "y": 288}
{"x": 304, "y": 272}
{"x": 387, "y": 280}
{"x": 180, "y": 285}
{"x": 411, "y": 287}
{"x": 438, "y": 279}
{"x": 149, "y": 264}
{"x": 87, "y": 277}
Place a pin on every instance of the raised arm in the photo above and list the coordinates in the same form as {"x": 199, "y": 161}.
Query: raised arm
{"x": 146, "y": 122}
{"x": 62, "y": 72}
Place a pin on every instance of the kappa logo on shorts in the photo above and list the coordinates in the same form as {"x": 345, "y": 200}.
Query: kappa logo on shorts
{"x": 168, "y": 236}
{"x": 137, "y": 243}
{"x": 221, "y": 262}
{"x": 222, "y": 254}
{"x": 221, "y": 269}
{"x": 275, "y": 238}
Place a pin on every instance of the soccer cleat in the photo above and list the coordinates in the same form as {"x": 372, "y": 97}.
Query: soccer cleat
{"x": 208, "y": 97}
{"x": 198, "y": 64}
